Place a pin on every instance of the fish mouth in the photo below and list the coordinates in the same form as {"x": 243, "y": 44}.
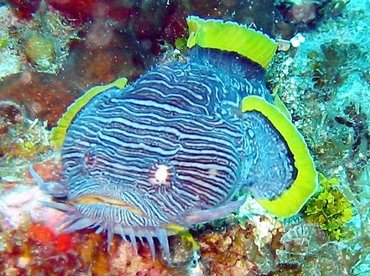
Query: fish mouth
{"x": 99, "y": 199}
{"x": 77, "y": 219}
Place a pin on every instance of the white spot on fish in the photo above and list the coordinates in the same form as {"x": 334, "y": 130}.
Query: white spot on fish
{"x": 161, "y": 174}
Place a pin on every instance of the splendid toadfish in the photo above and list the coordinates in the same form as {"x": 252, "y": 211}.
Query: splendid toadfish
{"x": 173, "y": 148}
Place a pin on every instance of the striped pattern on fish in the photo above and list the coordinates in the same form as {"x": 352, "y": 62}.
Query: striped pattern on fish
{"x": 175, "y": 147}
{"x": 129, "y": 126}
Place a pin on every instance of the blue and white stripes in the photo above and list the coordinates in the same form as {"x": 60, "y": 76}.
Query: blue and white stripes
{"x": 177, "y": 117}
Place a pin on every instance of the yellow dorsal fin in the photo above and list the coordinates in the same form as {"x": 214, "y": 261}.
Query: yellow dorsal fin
{"x": 292, "y": 199}
{"x": 232, "y": 37}
{"x": 58, "y": 133}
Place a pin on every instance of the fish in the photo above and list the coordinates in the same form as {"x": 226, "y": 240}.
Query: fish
{"x": 177, "y": 146}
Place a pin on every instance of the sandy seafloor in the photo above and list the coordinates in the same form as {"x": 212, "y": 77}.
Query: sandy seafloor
{"x": 323, "y": 77}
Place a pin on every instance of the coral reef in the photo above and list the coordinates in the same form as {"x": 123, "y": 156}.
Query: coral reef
{"x": 20, "y": 140}
{"x": 301, "y": 246}
{"x": 43, "y": 96}
{"x": 325, "y": 85}
{"x": 25, "y": 9}
{"x": 230, "y": 251}
{"x": 38, "y": 249}
{"x": 41, "y": 44}
{"x": 47, "y": 41}
{"x": 51, "y": 51}
{"x": 20, "y": 136}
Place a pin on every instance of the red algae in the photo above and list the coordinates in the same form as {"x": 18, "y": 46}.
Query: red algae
{"x": 78, "y": 11}
{"x": 64, "y": 242}
{"x": 44, "y": 96}
{"x": 174, "y": 25}
{"x": 37, "y": 249}
{"x": 24, "y": 9}
{"x": 41, "y": 234}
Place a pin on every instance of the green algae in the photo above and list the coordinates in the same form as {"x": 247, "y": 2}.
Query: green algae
{"x": 331, "y": 210}
{"x": 3, "y": 42}
{"x": 40, "y": 50}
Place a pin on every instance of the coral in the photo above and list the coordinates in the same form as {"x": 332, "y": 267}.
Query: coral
{"x": 10, "y": 114}
{"x": 46, "y": 236}
{"x": 362, "y": 267}
{"x": 20, "y": 136}
{"x": 10, "y": 60}
{"x": 37, "y": 249}
{"x": 20, "y": 140}
{"x": 23, "y": 204}
{"x": 103, "y": 64}
{"x": 305, "y": 247}
{"x": 330, "y": 209}
{"x": 298, "y": 242}
{"x": 239, "y": 246}
{"x": 302, "y": 11}
{"x": 305, "y": 13}
{"x": 357, "y": 250}
{"x": 43, "y": 95}
{"x": 324, "y": 84}
{"x": 231, "y": 251}
{"x": 46, "y": 41}
{"x": 126, "y": 262}
{"x": 322, "y": 263}
{"x": 78, "y": 11}
{"x": 265, "y": 229}
{"x": 333, "y": 7}
{"x": 41, "y": 44}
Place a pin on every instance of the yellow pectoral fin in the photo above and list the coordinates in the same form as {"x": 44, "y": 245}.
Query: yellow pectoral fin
{"x": 290, "y": 201}
{"x": 58, "y": 133}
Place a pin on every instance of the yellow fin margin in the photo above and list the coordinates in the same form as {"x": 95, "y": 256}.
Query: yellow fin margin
{"x": 58, "y": 133}
{"x": 292, "y": 199}
{"x": 232, "y": 37}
